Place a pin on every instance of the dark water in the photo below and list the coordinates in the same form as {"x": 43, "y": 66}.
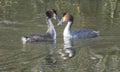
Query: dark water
{"x": 101, "y": 54}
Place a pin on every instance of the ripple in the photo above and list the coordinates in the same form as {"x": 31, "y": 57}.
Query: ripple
{"x": 7, "y": 22}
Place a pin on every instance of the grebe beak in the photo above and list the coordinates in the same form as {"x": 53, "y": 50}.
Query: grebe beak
{"x": 56, "y": 17}
{"x": 60, "y": 22}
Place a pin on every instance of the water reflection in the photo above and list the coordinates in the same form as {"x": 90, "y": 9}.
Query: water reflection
{"x": 7, "y": 22}
{"x": 49, "y": 47}
{"x": 50, "y": 57}
{"x": 68, "y": 51}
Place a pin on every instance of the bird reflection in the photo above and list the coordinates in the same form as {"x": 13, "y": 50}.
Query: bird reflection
{"x": 50, "y": 57}
{"x": 67, "y": 52}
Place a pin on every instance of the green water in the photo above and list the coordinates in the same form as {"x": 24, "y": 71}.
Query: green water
{"x": 24, "y": 17}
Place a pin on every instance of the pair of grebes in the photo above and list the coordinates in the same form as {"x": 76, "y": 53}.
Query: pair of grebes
{"x": 50, "y": 35}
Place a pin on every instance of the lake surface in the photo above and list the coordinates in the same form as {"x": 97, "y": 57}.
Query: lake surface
{"x": 101, "y": 54}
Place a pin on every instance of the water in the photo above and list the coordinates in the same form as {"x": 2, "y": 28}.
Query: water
{"x": 101, "y": 54}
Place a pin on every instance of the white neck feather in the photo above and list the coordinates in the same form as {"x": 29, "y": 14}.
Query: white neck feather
{"x": 67, "y": 42}
{"x": 67, "y": 30}
{"x": 51, "y": 29}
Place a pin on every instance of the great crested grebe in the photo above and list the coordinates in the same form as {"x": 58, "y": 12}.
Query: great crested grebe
{"x": 77, "y": 34}
{"x": 50, "y": 35}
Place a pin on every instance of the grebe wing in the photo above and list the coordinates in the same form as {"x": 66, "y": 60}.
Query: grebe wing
{"x": 84, "y": 33}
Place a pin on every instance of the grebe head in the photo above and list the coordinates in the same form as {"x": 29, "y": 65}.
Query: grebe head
{"x": 66, "y": 17}
{"x": 52, "y": 14}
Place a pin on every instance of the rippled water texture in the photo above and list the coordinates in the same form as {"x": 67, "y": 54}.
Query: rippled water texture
{"x": 23, "y": 17}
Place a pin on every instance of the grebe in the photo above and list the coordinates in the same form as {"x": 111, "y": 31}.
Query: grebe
{"x": 50, "y": 34}
{"x": 77, "y": 34}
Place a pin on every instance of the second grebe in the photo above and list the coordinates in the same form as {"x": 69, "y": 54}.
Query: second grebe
{"x": 50, "y": 34}
{"x": 77, "y": 34}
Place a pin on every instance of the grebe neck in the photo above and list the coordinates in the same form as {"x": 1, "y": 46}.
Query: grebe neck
{"x": 51, "y": 29}
{"x": 67, "y": 30}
